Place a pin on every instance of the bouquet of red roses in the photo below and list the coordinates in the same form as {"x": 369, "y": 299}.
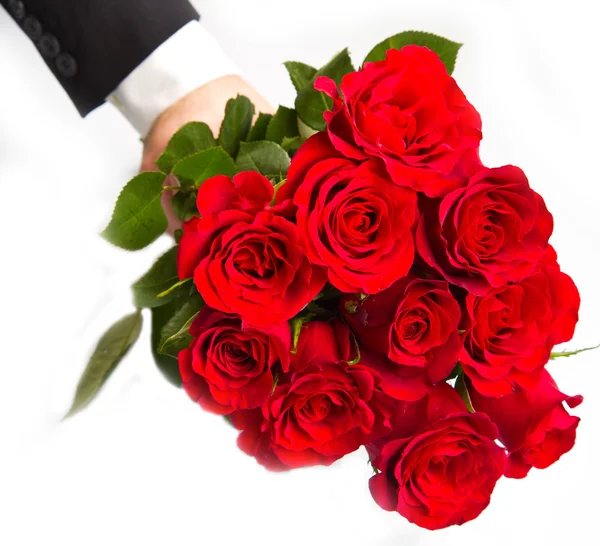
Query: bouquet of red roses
{"x": 349, "y": 274}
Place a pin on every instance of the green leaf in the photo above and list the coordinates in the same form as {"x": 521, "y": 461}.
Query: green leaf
{"x": 337, "y": 67}
{"x": 236, "y": 124}
{"x": 321, "y": 312}
{"x": 167, "y": 364}
{"x": 310, "y": 103}
{"x": 373, "y": 467}
{"x": 283, "y": 125}
{"x": 447, "y": 50}
{"x": 111, "y": 348}
{"x": 184, "y": 205}
{"x": 331, "y": 294}
{"x": 191, "y": 138}
{"x": 456, "y": 371}
{"x": 268, "y": 158}
{"x": 296, "y": 325}
{"x": 175, "y": 334}
{"x": 571, "y": 353}
{"x": 291, "y": 145}
{"x": 305, "y": 131}
{"x": 276, "y": 189}
{"x": 275, "y": 383}
{"x": 356, "y": 359}
{"x": 259, "y": 129}
{"x": 138, "y": 218}
{"x": 461, "y": 388}
{"x": 160, "y": 277}
{"x": 302, "y": 75}
{"x": 171, "y": 289}
{"x": 199, "y": 167}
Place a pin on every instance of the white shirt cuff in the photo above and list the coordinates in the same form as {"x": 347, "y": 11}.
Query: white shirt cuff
{"x": 187, "y": 60}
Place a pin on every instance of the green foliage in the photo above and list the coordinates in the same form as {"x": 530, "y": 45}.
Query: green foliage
{"x": 175, "y": 334}
{"x": 283, "y": 125}
{"x": 267, "y": 158}
{"x": 199, "y": 167}
{"x": 447, "y": 50}
{"x": 111, "y": 348}
{"x": 276, "y": 189}
{"x": 291, "y": 145}
{"x": 160, "y": 277}
{"x": 184, "y": 205}
{"x": 310, "y": 103}
{"x": 259, "y": 129}
{"x": 356, "y": 359}
{"x": 138, "y": 218}
{"x": 167, "y": 364}
{"x": 236, "y": 124}
{"x": 191, "y": 138}
{"x": 179, "y": 284}
{"x": 564, "y": 354}
{"x": 337, "y": 67}
{"x": 302, "y": 75}
{"x": 305, "y": 131}
{"x": 461, "y": 388}
{"x": 296, "y": 325}
{"x": 456, "y": 371}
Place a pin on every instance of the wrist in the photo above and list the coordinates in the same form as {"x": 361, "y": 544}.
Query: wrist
{"x": 185, "y": 62}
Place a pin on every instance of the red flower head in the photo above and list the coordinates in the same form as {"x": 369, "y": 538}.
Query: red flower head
{"x": 413, "y": 325}
{"x": 245, "y": 259}
{"x": 353, "y": 220}
{"x": 510, "y": 332}
{"x": 492, "y": 232}
{"x": 230, "y": 365}
{"x": 441, "y": 467}
{"x": 322, "y": 410}
{"x": 534, "y": 425}
{"x": 409, "y": 112}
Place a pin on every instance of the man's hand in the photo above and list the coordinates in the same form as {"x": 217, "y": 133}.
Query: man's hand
{"x": 207, "y": 104}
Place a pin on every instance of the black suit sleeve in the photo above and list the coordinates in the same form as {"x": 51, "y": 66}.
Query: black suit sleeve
{"x": 93, "y": 45}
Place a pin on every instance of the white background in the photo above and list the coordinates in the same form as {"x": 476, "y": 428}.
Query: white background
{"x": 144, "y": 465}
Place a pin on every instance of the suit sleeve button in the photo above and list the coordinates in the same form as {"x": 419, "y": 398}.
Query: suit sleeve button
{"x": 49, "y": 46}
{"x": 66, "y": 65}
{"x": 17, "y": 9}
{"x": 32, "y": 27}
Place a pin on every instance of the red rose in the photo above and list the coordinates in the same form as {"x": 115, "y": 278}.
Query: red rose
{"x": 409, "y": 112}
{"x": 534, "y": 425}
{"x": 245, "y": 260}
{"x": 510, "y": 332}
{"x": 248, "y": 191}
{"x": 322, "y": 410}
{"x": 492, "y": 232}
{"x": 229, "y": 365}
{"x": 414, "y": 324}
{"x": 444, "y": 472}
{"x": 352, "y": 218}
